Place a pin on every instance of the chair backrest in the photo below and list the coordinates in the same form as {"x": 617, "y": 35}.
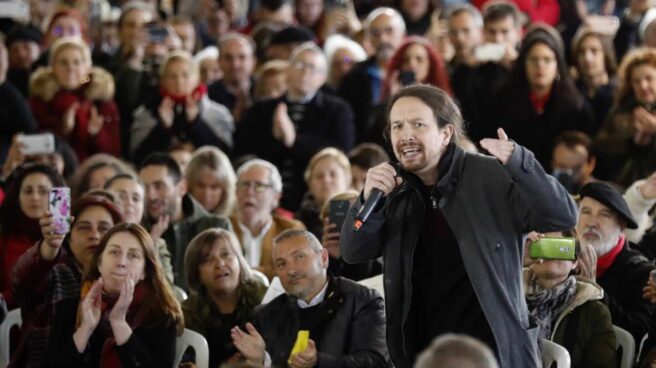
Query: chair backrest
{"x": 12, "y": 319}
{"x": 625, "y": 346}
{"x": 261, "y": 276}
{"x": 554, "y": 353}
{"x": 196, "y": 341}
{"x": 179, "y": 293}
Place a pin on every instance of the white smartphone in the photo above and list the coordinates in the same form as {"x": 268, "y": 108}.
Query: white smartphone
{"x": 490, "y": 52}
{"x": 37, "y": 144}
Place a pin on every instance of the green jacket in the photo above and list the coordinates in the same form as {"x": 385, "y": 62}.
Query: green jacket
{"x": 585, "y": 329}
{"x": 202, "y": 316}
{"x": 178, "y": 235}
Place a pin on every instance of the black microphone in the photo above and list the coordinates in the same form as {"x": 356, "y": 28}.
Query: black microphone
{"x": 367, "y": 208}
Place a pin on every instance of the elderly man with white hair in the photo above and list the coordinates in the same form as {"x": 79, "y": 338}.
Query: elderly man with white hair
{"x": 259, "y": 188}
{"x": 288, "y": 130}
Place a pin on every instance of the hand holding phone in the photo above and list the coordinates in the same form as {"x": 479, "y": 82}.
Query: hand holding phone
{"x": 59, "y": 207}
{"x": 37, "y": 144}
{"x": 493, "y": 52}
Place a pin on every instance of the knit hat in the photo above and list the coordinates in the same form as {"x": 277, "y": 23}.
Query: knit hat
{"x": 23, "y": 33}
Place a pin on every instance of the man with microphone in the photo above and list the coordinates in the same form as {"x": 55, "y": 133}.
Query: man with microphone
{"x": 451, "y": 228}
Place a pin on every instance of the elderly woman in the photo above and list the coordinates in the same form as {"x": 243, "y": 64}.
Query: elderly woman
{"x": 594, "y": 59}
{"x": 75, "y": 100}
{"x": 180, "y": 112}
{"x": 569, "y": 310}
{"x": 211, "y": 180}
{"x": 327, "y": 174}
{"x": 223, "y": 291}
{"x": 342, "y": 53}
{"x": 48, "y": 276}
{"x": 625, "y": 144}
{"x": 127, "y": 315}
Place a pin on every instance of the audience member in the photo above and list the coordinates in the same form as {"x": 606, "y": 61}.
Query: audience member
{"x": 129, "y": 190}
{"x": 211, "y": 180}
{"x": 624, "y": 145}
{"x": 572, "y": 160}
{"x": 208, "y": 65}
{"x": 287, "y": 131}
{"x": 465, "y": 28}
{"x": 608, "y": 259}
{"x": 126, "y": 313}
{"x": 25, "y": 203}
{"x": 539, "y": 100}
{"x": 47, "y": 278}
{"x": 342, "y": 54}
{"x": 323, "y": 305}
{"x": 185, "y": 29}
{"x": 181, "y": 112}
{"x": 594, "y": 59}
{"x": 328, "y": 173}
{"x": 224, "y": 291}
{"x": 641, "y": 198}
{"x": 23, "y": 46}
{"x": 570, "y": 311}
{"x": 171, "y": 213}
{"x": 237, "y": 61}
{"x": 456, "y": 351}
{"x": 94, "y": 173}
{"x": 282, "y": 43}
{"x": 259, "y": 188}
{"x": 271, "y": 80}
{"x": 181, "y": 153}
{"x": 65, "y": 22}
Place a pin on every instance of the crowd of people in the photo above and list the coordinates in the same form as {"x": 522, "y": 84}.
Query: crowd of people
{"x": 215, "y": 146}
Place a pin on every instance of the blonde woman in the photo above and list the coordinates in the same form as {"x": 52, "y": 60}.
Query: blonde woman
{"x": 180, "y": 112}
{"x": 211, "y": 180}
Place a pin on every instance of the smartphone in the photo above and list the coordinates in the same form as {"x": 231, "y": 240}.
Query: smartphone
{"x": 157, "y": 33}
{"x": 337, "y": 211}
{"x": 407, "y": 77}
{"x": 59, "y": 206}
{"x": 490, "y": 52}
{"x": 563, "y": 249}
{"x": 37, "y": 144}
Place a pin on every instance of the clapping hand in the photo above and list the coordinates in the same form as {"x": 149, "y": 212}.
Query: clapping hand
{"x": 90, "y": 310}
{"x": 95, "y": 122}
{"x": 501, "y": 148}
{"x": 587, "y": 262}
{"x": 250, "y": 343}
{"x": 120, "y": 327}
{"x": 166, "y": 113}
{"x": 283, "y": 126}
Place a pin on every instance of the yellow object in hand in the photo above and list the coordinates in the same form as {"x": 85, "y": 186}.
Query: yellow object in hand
{"x": 301, "y": 343}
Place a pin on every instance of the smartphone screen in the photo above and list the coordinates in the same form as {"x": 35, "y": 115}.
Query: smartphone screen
{"x": 59, "y": 206}
{"x": 337, "y": 211}
{"x": 407, "y": 77}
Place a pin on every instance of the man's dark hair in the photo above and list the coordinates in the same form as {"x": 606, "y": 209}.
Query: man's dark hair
{"x": 498, "y": 10}
{"x": 162, "y": 159}
{"x": 274, "y": 5}
{"x": 367, "y": 155}
{"x": 572, "y": 138}
{"x": 444, "y": 108}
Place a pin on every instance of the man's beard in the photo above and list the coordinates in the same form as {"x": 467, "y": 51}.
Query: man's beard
{"x": 601, "y": 245}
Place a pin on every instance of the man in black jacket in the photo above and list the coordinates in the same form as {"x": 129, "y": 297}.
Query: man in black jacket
{"x": 289, "y": 130}
{"x": 345, "y": 320}
{"x": 609, "y": 259}
{"x": 451, "y": 230}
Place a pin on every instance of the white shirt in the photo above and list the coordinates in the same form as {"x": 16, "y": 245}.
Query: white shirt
{"x": 315, "y": 301}
{"x": 253, "y": 243}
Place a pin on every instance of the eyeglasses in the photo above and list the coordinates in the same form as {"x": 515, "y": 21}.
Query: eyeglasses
{"x": 258, "y": 187}
{"x": 299, "y": 65}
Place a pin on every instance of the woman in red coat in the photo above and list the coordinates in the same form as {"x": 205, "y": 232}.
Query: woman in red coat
{"x": 75, "y": 100}
{"x": 26, "y": 201}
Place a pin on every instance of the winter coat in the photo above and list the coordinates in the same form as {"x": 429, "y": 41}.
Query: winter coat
{"x": 49, "y": 103}
{"x": 202, "y": 315}
{"x": 12, "y": 246}
{"x": 489, "y": 208}
{"x": 585, "y": 328}
{"x": 42, "y": 290}
{"x": 352, "y": 332}
{"x": 213, "y": 126}
{"x": 279, "y": 224}
{"x": 15, "y": 117}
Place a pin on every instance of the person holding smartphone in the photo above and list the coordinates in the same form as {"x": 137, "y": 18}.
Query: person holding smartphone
{"x": 569, "y": 309}
{"x": 450, "y": 227}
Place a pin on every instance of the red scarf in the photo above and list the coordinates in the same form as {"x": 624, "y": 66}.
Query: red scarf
{"x": 134, "y": 318}
{"x": 197, "y": 94}
{"x": 604, "y": 262}
{"x": 539, "y": 102}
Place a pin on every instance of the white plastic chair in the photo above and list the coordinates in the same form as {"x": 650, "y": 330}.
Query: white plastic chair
{"x": 625, "y": 346}
{"x": 261, "y": 276}
{"x": 179, "y": 293}
{"x": 554, "y": 353}
{"x": 12, "y": 319}
{"x": 196, "y": 341}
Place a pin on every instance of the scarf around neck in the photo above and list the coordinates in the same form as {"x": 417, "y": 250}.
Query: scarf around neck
{"x": 547, "y": 304}
{"x": 197, "y": 94}
{"x": 134, "y": 317}
{"x": 606, "y": 261}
